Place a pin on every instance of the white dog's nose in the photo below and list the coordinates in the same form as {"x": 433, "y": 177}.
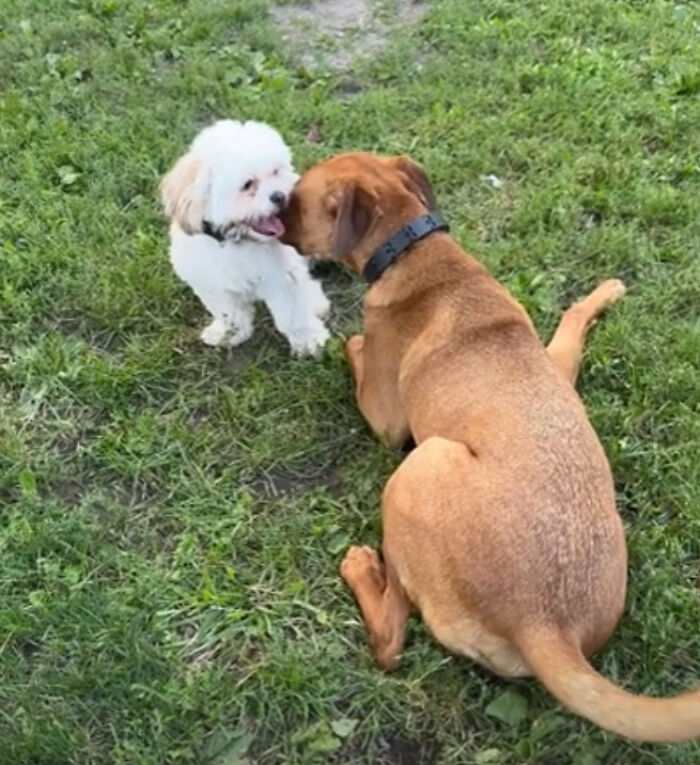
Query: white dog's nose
{"x": 278, "y": 199}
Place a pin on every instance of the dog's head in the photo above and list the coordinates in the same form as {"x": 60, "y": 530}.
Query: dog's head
{"x": 345, "y": 207}
{"x": 235, "y": 180}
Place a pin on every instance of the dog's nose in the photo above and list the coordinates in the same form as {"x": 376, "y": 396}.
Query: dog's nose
{"x": 278, "y": 198}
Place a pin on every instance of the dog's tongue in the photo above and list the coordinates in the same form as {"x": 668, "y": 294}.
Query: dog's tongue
{"x": 270, "y": 226}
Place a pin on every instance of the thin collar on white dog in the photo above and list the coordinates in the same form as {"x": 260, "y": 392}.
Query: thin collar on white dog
{"x": 215, "y": 233}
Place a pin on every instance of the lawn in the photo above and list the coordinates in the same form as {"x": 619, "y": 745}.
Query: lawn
{"x": 173, "y": 516}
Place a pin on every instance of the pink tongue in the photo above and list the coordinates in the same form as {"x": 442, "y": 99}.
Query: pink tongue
{"x": 271, "y": 226}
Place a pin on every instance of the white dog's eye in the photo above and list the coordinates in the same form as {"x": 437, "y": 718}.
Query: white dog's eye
{"x": 276, "y": 171}
{"x": 248, "y": 185}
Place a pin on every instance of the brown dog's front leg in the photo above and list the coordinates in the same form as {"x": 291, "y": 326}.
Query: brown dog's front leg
{"x": 353, "y": 350}
{"x": 566, "y": 346}
{"x": 377, "y": 397}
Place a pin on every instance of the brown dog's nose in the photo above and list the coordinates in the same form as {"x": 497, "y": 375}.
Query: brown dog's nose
{"x": 278, "y": 199}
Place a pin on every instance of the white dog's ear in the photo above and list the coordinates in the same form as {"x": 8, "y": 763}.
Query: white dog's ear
{"x": 183, "y": 191}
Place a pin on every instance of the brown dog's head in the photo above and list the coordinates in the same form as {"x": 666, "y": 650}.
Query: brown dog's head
{"x": 347, "y": 206}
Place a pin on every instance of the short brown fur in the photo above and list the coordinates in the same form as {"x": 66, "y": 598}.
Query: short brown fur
{"x": 501, "y": 525}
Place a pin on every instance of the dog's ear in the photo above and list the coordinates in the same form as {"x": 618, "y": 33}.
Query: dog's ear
{"x": 416, "y": 181}
{"x": 290, "y": 217}
{"x": 355, "y": 209}
{"x": 183, "y": 191}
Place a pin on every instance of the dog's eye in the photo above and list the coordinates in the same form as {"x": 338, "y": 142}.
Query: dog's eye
{"x": 276, "y": 171}
{"x": 248, "y": 185}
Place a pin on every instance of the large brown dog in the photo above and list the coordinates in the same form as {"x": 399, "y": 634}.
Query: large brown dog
{"x": 501, "y": 525}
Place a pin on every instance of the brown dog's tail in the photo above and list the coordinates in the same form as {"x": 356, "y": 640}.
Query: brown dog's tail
{"x": 568, "y": 676}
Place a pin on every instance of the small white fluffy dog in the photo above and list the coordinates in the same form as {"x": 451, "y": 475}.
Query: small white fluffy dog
{"x": 224, "y": 198}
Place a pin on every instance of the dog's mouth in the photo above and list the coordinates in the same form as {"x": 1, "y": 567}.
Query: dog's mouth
{"x": 270, "y": 226}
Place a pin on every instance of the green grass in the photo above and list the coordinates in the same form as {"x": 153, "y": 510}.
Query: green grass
{"x": 172, "y": 516}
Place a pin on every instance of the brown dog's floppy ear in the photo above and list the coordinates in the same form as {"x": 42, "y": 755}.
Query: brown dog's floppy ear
{"x": 183, "y": 192}
{"x": 356, "y": 212}
{"x": 290, "y": 218}
{"x": 416, "y": 181}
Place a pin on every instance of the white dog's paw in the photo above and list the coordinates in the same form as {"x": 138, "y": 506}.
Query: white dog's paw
{"x": 309, "y": 341}
{"x": 215, "y": 333}
{"x": 242, "y": 334}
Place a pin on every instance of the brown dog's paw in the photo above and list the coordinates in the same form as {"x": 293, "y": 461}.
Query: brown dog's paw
{"x": 362, "y": 564}
{"x": 610, "y": 291}
{"x": 598, "y": 301}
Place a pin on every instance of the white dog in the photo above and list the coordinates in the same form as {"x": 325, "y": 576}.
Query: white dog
{"x": 224, "y": 198}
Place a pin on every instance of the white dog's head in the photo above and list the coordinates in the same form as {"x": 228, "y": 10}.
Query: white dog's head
{"x": 232, "y": 183}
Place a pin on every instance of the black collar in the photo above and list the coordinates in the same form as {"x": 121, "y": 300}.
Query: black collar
{"x": 411, "y": 233}
{"x": 210, "y": 230}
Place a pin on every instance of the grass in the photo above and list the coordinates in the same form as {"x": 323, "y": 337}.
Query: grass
{"x": 173, "y": 516}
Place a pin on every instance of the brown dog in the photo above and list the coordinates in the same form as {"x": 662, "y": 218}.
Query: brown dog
{"x": 501, "y": 525}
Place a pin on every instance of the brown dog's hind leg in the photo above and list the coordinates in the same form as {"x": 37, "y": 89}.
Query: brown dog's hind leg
{"x": 383, "y": 604}
{"x": 566, "y": 346}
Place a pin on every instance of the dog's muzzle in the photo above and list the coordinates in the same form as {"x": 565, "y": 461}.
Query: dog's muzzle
{"x": 270, "y": 226}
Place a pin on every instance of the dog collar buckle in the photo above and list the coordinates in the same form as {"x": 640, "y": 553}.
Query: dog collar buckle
{"x": 398, "y": 243}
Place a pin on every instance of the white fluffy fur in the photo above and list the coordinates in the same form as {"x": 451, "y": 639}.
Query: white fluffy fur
{"x": 227, "y": 178}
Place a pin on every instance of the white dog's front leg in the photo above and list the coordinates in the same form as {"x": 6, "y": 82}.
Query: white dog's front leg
{"x": 295, "y": 306}
{"x": 309, "y": 339}
{"x": 233, "y": 318}
{"x": 215, "y": 333}
{"x": 241, "y": 323}
{"x": 321, "y": 304}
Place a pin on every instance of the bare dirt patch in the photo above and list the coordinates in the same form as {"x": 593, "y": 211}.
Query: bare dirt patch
{"x": 331, "y": 33}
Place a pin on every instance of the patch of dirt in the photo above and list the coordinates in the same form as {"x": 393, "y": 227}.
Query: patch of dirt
{"x": 395, "y": 749}
{"x": 403, "y": 751}
{"x": 290, "y": 480}
{"x": 98, "y": 338}
{"x": 26, "y": 647}
{"x": 69, "y": 491}
{"x": 334, "y": 32}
